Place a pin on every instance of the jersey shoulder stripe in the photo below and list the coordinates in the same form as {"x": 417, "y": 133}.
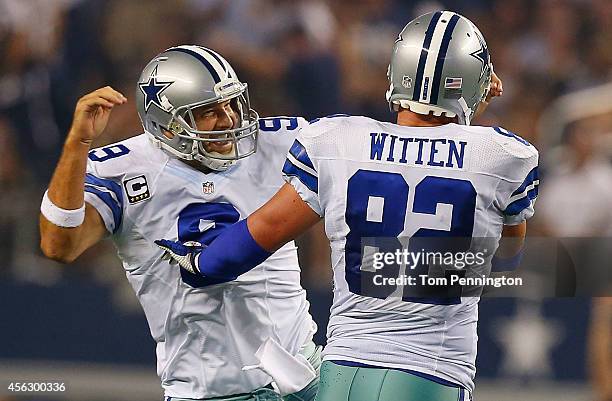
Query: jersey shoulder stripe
{"x": 298, "y": 151}
{"x": 110, "y": 193}
{"x": 525, "y": 195}
{"x": 294, "y": 168}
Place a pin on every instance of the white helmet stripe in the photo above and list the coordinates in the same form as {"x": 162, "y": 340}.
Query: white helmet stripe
{"x": 219, "y": 68}
{"x": 432, "y": 56}
{"x": 230, "y": 71}
{"x": 188, "y": 50}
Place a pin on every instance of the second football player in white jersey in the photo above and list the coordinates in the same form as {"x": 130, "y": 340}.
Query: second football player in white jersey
{"x": 431, "y": 175}
{"x": 204, "y": 162}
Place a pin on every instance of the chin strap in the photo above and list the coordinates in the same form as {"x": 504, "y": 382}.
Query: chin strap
{"x": 467, "y": 112}
{"x": 213, "y": 164}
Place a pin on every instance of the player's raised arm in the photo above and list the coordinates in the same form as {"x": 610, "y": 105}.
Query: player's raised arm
{"x": 68, "y": 226}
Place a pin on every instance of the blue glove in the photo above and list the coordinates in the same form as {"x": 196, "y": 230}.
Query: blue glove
{"x": 185, "y": 254}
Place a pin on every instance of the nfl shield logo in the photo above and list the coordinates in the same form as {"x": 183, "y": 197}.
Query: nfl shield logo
{"x": 406, "y": 81}
{"x": 208, "y": 187}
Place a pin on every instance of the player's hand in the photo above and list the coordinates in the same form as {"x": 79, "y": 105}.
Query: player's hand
{"x": 92, "y": 112}
{"x": 186, "y": 255}
{"x": 496, "y": 89}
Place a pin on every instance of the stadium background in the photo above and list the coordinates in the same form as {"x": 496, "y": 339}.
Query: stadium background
{"x": 82, "y": 325}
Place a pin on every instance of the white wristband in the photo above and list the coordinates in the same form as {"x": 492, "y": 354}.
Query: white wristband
{"x": 61, "y": 217}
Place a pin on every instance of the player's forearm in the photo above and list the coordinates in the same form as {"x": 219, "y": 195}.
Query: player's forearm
{"x": 249, "y": 242}
{"x": 231, "y": 254}
{"x": 65, "y": 191}
{"x": 512, "y": 240}
{"x": 510, "y": 251}
{"x": 246, "y": 244}
{"x": 68, "y": 181}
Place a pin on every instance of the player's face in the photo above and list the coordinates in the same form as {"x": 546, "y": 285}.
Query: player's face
{"x": 217, "y": 117}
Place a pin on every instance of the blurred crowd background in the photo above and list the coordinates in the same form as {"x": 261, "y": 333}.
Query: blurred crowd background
{"x": 306, "y": 58}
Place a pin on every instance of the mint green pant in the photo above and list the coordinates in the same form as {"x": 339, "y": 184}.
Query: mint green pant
{"x": 263, "y": 394}
{"x": 348, "y": 383}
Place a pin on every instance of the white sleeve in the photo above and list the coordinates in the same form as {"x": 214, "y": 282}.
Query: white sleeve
{"x": 516, "y": 164}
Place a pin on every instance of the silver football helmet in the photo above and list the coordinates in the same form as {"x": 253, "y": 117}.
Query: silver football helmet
{"x": 181, "y": 79}
{"x": 441, "y": 65}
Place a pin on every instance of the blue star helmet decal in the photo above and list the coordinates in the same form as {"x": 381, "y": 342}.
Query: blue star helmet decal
{"x": 152, "y": 89}
{"x": 482, "y": 55}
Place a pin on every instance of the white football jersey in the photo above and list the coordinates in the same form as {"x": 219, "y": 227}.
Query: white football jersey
{"x": 205, "y": 333}
{"x": 377, "y": 179}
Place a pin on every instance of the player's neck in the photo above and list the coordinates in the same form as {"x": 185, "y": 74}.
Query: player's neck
{"x": 198, "y": 166}
{"x": 412, "y": 119}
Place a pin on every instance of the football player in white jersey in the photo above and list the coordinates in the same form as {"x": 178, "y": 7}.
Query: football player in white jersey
{"x": 205, "y": 161}
{"x": 431, "y": 175}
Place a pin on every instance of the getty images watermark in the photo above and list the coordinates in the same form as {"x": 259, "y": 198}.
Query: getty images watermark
{"x": 449, "y": 267}
{"x": 418, "y": 262}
